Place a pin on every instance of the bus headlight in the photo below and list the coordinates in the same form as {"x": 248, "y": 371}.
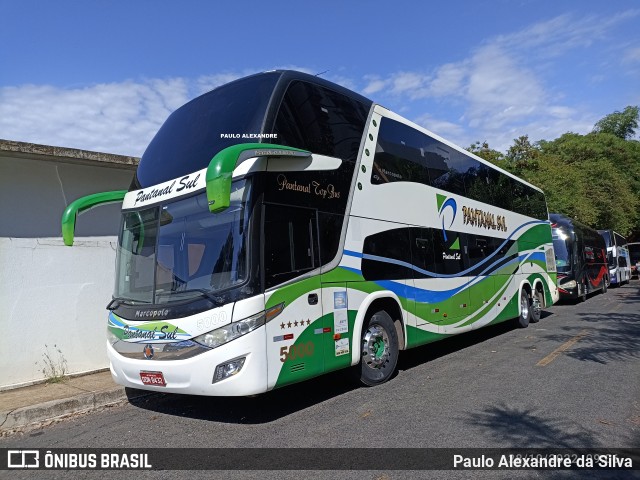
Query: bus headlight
{"x": 570, "y": 284}
{"x": 225, "y": 334}
{"x": 111, "y": 337}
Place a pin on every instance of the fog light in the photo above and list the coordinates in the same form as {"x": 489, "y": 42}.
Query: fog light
{"x": 228, "y": 369}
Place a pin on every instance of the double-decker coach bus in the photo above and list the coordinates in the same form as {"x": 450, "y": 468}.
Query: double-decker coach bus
{"x": 281, "y": 226}
{"x": 634, "y": 258}
{"x": 617, "y": 257}
{"x": 581, "y": 258}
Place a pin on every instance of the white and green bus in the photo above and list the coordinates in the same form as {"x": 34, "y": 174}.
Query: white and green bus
{"x": 280, "y": 227}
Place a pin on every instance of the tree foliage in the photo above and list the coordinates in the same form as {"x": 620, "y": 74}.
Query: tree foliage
{"x": 594, "y": 178}
{"x": 621, "y": 124}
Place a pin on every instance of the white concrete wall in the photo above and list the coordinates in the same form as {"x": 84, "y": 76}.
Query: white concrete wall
{"x": 54, "y": 297}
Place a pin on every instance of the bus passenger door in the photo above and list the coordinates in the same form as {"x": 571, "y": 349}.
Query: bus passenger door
{"x": 290, "y": 249}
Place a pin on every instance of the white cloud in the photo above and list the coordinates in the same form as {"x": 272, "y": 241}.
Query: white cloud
{"x": 116, "y": 118}
{"x": 501, "y": 85}
{"x": 374, "y": 84}
{"x": 498, "y": 92}
{"x": 449, "y": 80}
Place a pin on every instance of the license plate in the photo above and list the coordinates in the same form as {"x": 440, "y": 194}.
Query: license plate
{"x": 153, "y": 378}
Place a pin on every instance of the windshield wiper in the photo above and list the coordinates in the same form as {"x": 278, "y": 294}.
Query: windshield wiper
{"x": 216, "y": 300}
{"x": 117, "y": 301}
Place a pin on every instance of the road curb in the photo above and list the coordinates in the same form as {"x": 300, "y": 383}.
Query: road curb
{"x": 53, "y": 409}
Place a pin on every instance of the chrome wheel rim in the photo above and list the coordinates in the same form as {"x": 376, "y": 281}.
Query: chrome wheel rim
{"x": 375, "y": 347}
{"x": 524, "y": 306}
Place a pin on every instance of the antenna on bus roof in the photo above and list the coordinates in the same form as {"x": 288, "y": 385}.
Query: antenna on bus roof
{"x": 321, "y": 73}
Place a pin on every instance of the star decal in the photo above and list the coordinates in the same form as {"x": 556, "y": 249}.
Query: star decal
{"x": 289, "y": 324}
{"x": 295, "y": 324}
{"x": 282, "y": 326}
{"x": 308, "y": 321}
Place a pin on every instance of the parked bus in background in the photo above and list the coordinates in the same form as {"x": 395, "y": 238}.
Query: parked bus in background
{"x": 581, "y": 258}
{"x": 634, "y": 258}
{"x": 617, "y": 257}
{"x": 351, "y": 235}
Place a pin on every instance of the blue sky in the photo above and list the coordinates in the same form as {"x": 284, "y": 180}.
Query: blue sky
{"x": 104, "y": 75}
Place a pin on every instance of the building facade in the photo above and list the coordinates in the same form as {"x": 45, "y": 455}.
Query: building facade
{"x": 52, "y": 297}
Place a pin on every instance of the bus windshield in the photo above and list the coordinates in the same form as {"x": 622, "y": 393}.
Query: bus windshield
{"x": 562, "y": 248}
{"x": 194, "y": 133}
{"x": 179, "y": 251}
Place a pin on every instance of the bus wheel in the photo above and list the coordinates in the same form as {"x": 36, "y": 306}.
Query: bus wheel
{"x": 379, "y": 350}
{"x": 582, "y": 296}
{"x": 604, "y": 285}
{"x": 536, "y": 306}
{"x": 525, "y": 310}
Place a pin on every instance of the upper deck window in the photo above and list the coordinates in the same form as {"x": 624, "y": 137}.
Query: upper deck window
{"x": 195, "y": 132}
{"x": 320, "y": 120}
{"x": 404, "y": 154}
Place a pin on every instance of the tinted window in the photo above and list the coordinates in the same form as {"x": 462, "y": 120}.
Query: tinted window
{"x": 478, "y": 183}
{"x": 193, "y": 134}
{"x": 448, "y": 252}
{"x": 563, "y": 250}
{"x": 537, "y": 204}
{"x": 290, "y": 243}
{"x": 404, "y": 154}
{"x": 479, "y": 247}
{"x": 401, "y": 154}
{"x": 606, "y": 234}
{"x": 422, "y": 251}
{"x": 459, "y": 167}
{"x": 387, "y": 255}
{"x": 320, "y": 120}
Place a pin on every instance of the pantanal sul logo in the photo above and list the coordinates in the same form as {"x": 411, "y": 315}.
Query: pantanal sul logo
{"x": 444, "y": 205}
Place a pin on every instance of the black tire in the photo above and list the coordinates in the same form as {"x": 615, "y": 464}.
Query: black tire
{"x": 604, "y": 285}
{"x": 525, "y": 310}
{"x": 583, "y": 297}
{"x": 379, "y": 354}
{"x": 536, "y": 306}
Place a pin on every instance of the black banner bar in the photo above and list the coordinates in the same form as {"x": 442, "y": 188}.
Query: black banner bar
{"x": 319, "y": 459}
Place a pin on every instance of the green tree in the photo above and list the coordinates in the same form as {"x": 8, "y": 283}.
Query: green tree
{"x": 483, "y": 150}
{"x": 522, "y": 154}
{"x": 621, "y": 124}
{"x": 594, "y": 178}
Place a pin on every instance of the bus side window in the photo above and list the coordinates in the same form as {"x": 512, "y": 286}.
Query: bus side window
{"x": 422, "y": 251}
{"x": 290, "y": 243}
{"x": 387, "y": 255}
{"x": 448, "y": 252}
{"x": 320, "y": 120}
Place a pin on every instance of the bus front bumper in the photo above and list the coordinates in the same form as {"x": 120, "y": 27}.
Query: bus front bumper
{"x": 195, "y": 375}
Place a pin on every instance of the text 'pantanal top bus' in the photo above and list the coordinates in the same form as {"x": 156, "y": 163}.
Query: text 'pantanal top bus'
{"x": 280, "y": 227}
{"x": 581, "y": 258}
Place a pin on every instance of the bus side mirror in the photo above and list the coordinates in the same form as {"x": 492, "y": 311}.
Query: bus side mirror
{"x": 222, "y": 165}
{"x": 83, "y": 204}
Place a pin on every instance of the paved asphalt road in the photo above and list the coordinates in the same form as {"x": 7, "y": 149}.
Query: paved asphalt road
{"x": 570, "y": 381}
